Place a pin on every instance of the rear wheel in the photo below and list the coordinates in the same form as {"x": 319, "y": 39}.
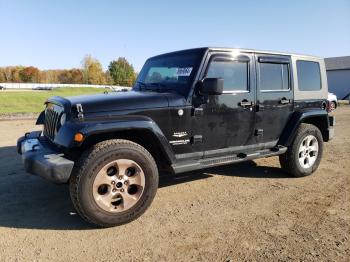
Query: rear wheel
{"x": 114, "y": 183}
{"x": 304, "y": 155}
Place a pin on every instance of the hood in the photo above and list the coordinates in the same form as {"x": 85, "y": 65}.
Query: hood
{"x": 115, "y": 101}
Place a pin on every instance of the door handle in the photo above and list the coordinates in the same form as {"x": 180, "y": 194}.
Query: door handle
{"x": 284, "y": 101}
{"x": 245, "y": 103}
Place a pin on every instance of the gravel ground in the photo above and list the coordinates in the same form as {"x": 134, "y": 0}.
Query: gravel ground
{"x": 19, "y": 116}
{"x": 250, "y": 211}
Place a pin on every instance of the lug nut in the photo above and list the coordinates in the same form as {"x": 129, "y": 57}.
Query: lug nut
{"x": 114, "y": 190}
{"x": 125, "y": 182}
{"x": 113, "y": 182}
{"x": 120, "y": 178}
{"x": 122, "y": 190}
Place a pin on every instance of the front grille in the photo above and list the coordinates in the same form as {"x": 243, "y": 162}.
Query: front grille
{"x": 52, "y": 118}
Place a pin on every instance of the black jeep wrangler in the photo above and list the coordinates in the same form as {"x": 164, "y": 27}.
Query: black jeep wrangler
{"x": 188, "y": 110}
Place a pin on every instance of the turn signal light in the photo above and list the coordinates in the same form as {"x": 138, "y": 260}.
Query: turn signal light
{"x": 78, "y": 137}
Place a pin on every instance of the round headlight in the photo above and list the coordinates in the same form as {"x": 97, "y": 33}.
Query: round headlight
{"x": 63, "y": 119}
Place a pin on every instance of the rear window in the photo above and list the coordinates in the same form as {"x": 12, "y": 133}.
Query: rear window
{"x": 309, "y": 76}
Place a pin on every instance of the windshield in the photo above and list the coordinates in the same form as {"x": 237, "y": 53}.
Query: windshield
{"x": 169, "y": 73}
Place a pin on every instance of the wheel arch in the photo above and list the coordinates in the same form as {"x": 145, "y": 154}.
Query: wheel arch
{"x": 318, "y": 118}
{"x": 143, "y": 132}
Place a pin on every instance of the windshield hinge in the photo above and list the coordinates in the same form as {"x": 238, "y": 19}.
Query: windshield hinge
{"x": 80, "y": 111}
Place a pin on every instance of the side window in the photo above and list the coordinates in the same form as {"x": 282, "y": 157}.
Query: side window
{"x": 273, "y": 76}
{"x": 234, "y": 73}
{"x": 309, "y": 76}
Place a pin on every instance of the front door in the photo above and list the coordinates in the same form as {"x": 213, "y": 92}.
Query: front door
{"x": 274, "y": 97}
{"x": 227, "y": 121}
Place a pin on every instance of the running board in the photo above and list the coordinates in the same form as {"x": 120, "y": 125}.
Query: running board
{"x": 186, "y": 166}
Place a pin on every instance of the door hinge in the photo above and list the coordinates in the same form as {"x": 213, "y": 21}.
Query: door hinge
{"x": 198, "y": 111}
{"x": 259, "y": 132}
{"x": 196, "y": 139}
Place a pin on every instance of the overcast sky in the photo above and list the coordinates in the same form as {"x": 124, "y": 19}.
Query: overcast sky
{"x": 57, "y": 34}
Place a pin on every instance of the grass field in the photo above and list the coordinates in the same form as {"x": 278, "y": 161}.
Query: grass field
{"x": 32, "y": 101}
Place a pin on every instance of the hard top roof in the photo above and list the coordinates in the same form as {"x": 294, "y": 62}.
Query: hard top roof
{"x": 224, "y": 49}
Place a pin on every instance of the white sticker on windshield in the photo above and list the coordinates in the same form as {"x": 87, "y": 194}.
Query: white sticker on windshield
{"x": 183, "y": 71}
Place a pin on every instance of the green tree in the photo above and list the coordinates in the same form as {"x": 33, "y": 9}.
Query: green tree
{"x": 108, "y": 78}
{"x": 122, "y": 72}
{"x": 92, "y": 71}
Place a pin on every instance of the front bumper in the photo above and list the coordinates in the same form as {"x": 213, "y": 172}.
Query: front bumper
{"x": 42, "y": 160}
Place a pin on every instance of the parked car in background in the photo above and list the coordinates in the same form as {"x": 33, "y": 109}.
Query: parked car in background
{"x": 45, "y": 88}
{"x": 332, "y": 102}
{"x": 2, "y": 88}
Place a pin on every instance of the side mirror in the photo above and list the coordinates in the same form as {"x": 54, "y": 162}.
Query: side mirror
{"x": 212, "y": 86}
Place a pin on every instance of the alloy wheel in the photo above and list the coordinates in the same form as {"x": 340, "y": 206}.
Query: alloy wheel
{"x": 119, "y": 185}
{"x": 308, "y": 151}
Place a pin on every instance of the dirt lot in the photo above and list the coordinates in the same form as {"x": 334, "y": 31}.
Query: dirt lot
{"x": 249, "y": 211}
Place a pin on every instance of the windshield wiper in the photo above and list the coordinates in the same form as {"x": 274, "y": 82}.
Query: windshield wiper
{"x": 144, "y": 86}
{"x": 141, "y": 84}
{"x": 151, "y": 86}
{"x": 160, "y": 87}
{"x": 157, "y": 84}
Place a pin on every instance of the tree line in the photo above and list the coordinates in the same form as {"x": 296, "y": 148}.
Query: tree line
{"x": 120, "y": 72}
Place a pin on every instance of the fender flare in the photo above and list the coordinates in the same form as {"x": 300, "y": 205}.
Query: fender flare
{"x": 299, "y": 117}
{"x": 126, "y": 123}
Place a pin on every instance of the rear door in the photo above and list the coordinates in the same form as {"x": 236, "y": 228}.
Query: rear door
{"x": 274, "y": 104}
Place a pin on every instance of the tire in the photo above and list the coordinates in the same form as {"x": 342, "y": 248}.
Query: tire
{"x": 300, "y": 159}
{"x": 105, "y": 203}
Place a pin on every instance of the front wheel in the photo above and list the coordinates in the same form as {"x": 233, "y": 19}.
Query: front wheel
{"x": 304, "y": 154}
{"x": 114, "y": 182}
